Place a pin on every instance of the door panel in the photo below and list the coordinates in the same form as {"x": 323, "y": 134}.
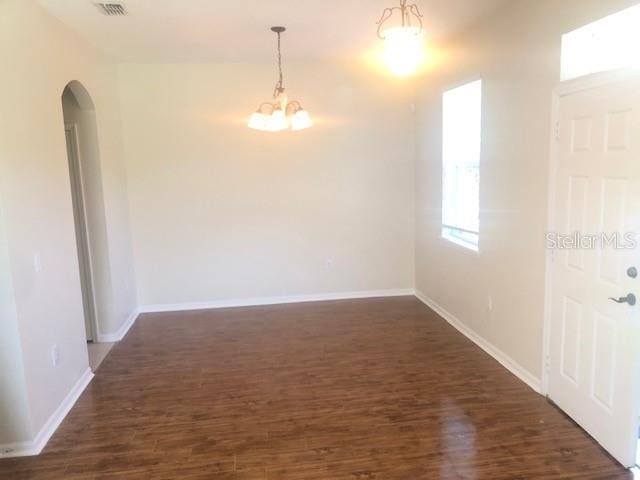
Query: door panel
{"x": 577, "y": 213}
{"x": 604, "y": 341}
{"x": 571, "y": 325}
{"x": 594, "y": 372}
{"x": 612, "y": 219}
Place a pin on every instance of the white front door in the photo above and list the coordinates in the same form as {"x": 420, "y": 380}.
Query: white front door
{"x": 594, "y": 364}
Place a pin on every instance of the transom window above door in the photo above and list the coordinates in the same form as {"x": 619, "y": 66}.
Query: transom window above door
{"x": 610, "y": 43}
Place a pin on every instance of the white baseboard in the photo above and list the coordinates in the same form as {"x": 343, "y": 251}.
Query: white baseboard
{"x": 259, "y": 301}
{"x": 122, "y": 331}
{"x": 34, "y": 447}
{"x": 502, "y": 358}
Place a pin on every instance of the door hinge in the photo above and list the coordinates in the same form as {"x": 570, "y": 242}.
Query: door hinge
{"x": 556, "y": 131}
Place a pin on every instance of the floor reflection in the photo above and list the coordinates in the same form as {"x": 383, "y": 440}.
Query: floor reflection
{"x": 459, "y": 439}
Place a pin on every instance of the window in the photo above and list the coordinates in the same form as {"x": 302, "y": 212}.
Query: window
{"x": 607, "y": 44}
{"x": 461, "y": 164}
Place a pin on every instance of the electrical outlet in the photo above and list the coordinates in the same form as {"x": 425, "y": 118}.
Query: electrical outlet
{"x": 55, "y": 355}
{"x": 490, "y": 303}
{"x": 328, "y": 263}
{"x": 37, "y": 263}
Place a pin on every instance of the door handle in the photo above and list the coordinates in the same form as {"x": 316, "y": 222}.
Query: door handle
{"x": 630, "y": 299}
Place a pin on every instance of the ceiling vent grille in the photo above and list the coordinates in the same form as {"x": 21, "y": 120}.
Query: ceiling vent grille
{"x": 112, "y": 9}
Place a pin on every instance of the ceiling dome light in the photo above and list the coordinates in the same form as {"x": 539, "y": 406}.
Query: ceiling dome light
{"x": 280, "y": 114}
{"x": 404, "y": 44}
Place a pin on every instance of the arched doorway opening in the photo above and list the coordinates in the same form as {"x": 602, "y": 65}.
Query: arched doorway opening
{"x": 81, "y": 137}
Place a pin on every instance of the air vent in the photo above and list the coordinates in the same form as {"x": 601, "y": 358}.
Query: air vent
{"x": 112, "y": 9}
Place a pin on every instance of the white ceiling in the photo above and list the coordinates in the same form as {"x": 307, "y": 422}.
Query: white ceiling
{"x": 237, "y": 31}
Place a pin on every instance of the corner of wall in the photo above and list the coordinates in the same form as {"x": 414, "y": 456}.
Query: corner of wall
{"x": 14, "y": 422}
{"x": 505, "y": 360}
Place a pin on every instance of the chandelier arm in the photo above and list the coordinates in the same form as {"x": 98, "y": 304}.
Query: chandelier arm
{"x": 386, "y": 15}
{"x": 260, "y": 108}
{"x": 415, "y": 11}
{"x": 295, "y": 105}
{"x": 406, "y": 11}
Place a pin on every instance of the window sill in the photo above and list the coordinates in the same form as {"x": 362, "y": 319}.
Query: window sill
{"x": 471, "y": 247}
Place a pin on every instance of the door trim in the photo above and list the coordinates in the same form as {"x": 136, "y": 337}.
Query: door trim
{"x": 93, "y": 322}
{"x": 561, "y": 90}
{"x": 595, "y": 80}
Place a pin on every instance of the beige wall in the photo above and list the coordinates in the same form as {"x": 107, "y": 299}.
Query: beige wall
{"x": 39, "y": 57}
{"x": 516, "y": 51}
{"x": 223, "y": 212}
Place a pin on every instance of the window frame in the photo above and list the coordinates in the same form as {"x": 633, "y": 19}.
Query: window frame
{"x": 448, "y": 232}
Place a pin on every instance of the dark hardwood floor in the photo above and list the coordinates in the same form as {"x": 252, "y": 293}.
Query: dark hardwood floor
{"x": 363, "y": 389}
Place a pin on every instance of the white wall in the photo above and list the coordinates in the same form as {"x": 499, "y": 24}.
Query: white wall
{"x": 223, "y": 212}
{"x": 39, "y": 57}
{"x": 516, "y": 51}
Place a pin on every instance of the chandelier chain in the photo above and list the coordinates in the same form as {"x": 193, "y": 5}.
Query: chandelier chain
{"x": 279, "y": 86}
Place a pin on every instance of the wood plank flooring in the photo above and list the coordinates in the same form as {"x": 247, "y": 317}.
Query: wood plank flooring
{"x": 362, "y": 389}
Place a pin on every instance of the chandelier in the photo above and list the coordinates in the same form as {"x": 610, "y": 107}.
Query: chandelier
{"x": 281, "y": 113}
{"x": 403, "y": 45}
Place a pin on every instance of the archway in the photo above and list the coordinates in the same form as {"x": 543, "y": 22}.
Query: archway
{"x": 81, "y": 135}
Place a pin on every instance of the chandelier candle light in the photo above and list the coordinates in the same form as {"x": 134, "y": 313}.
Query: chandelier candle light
{"x": 403, "y": 45}
{"x": 281, "y": 114}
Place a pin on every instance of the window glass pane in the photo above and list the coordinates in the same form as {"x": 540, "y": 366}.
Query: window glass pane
{"x": 607, "y": 44}
{"x": 461, "y": 161}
